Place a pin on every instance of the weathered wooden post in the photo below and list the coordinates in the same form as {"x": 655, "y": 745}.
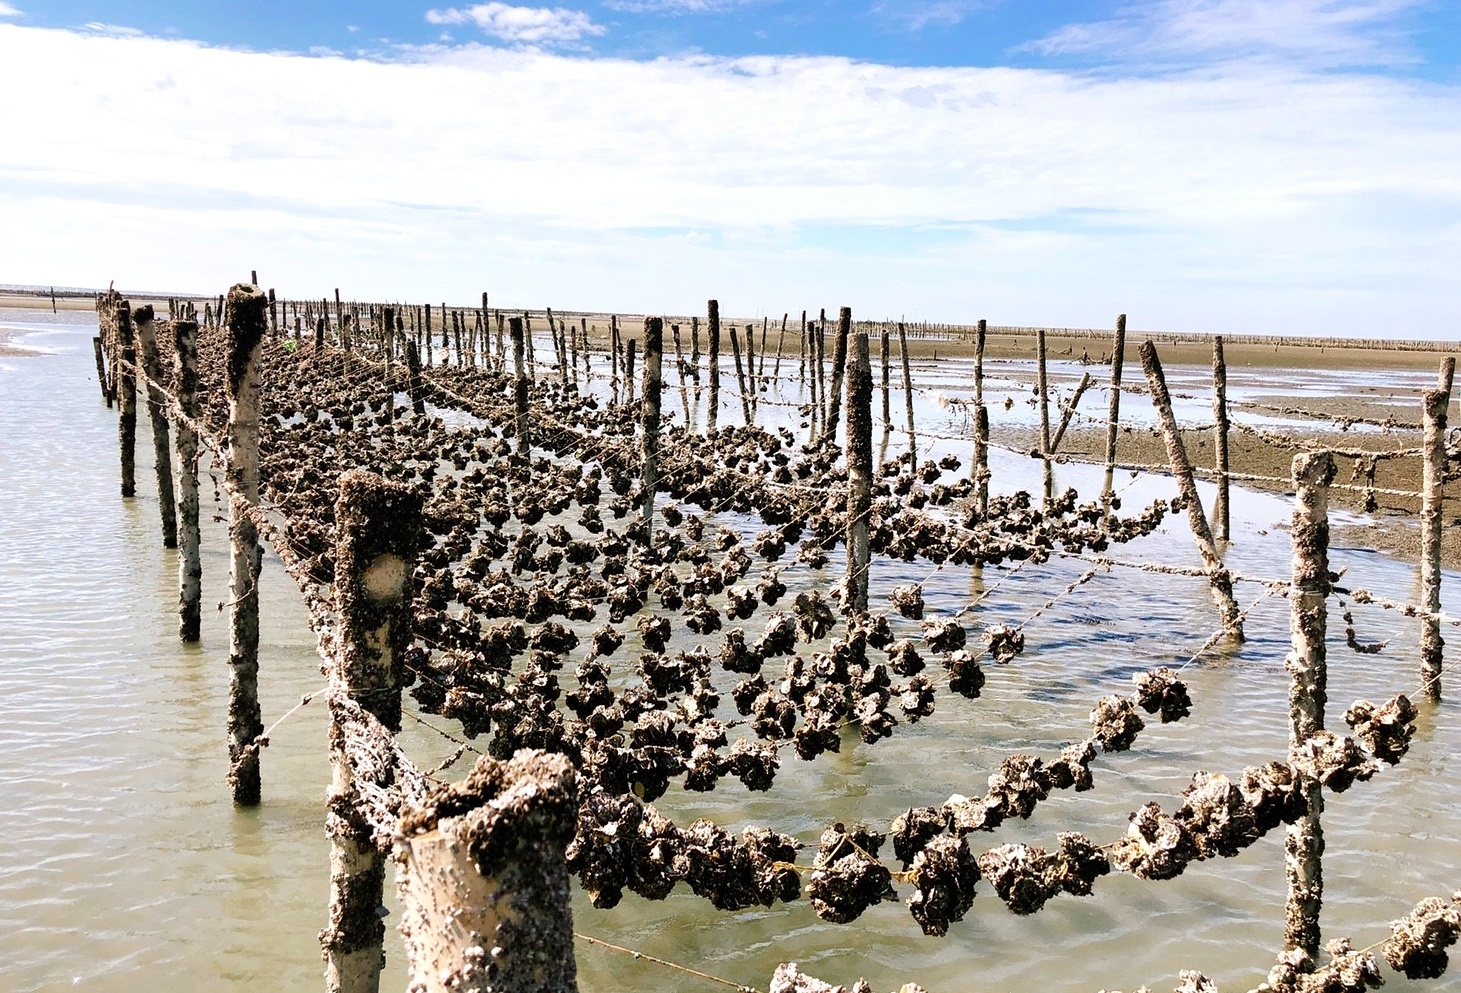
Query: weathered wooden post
{"x": 520, "y": 385}
{"x": 654, "y": 333}
{"x": 780, "y": 344}
{"x": 101, "y": 369}
{"x": 1433, "y": 476}
{"x": 161, "y": 443}
{"x": 614, "y": 356}
{"x": 680, "y": 370}
{"x": 1042, "y": 387}
{"x": 887, "y": 402}
{"x": 751, "y": 366}
{"x": 980, "y": 469}
{"x": 695, "y": 352}
{"x": 859, "y": 465}
{"x": 273, "y": 315}
{"x": 629, "y": 356}
{"x": 1069, "y": 412}
{"x": 190, "y": 564}
{"x": 413, "y": 378}
{"x": 483, "y": 882}
{"x": 712, "y": 414}
{"x": 320, "y": 324}
{"x": 839, "y": 368}
{"x": 740, "y": 376}
{"x": 247, "y": 325}
{"x": 1218, "y": 579}
{"x": 1308, "y": 676}
{"x": 377, "y": 534}
{"x": 1220, "y": 437}
{"x": 389, "y": 322}
{"x": 1113, "y": 415}
{"x": 908, "y": 394}
{"x": 802, "y": 350}
{"x": 127, "y": 398}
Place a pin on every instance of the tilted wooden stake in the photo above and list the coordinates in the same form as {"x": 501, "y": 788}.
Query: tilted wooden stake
{"x": 1219, "y": 581}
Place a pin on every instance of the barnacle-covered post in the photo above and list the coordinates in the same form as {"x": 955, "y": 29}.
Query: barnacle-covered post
{"x": 980, "y": 469}
{"x": 520, "y": 385}
{"x": 908, "y": 394}
{"x": 388, "y": 325}
{"x": 1113, "y": 412}
{"x": 127, "y": 398}
{"x": 839, "y": 366}
{"x": 247, "y": 324}
{"x": 483, "y": 882}
{"x": 142, "y": 317}
{"x": 1042, "y": 387}
{"x": 190, "y": 564}
{"x": 629, "y": 356}
{"x": 1218, "y": 579}
{"x": 377, "y": 535}
{"x": 654, "y": 336}
{"x": 887, "y": 406}
{"x": 1308, "y": 676}
{"x": 859, "y": 466}
{"x": 101, "y": 369}
{"x": 1433, "y": 475}
{"x": 712, "y": 330}
{"x": 1220, "y": 439}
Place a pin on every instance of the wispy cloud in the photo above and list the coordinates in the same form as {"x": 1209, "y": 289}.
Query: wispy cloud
{"x": 915, "y": 15}
{"x": 1253, "y": 196}
{"x": 8, "y": 11}
{"x": 677, "y": 6}
{"x": 1326, "y": 32}
{"x": 521, "y": 25}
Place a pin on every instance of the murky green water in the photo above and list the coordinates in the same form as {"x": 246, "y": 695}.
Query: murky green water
{"x": 124, "y": 866}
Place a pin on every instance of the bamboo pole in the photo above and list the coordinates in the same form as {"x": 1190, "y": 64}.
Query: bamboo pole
{"x": 712, "y": 413}
{"x": 520, "y": 384}
{"x": 493, "y": 877}
{"x": 1220, "y": 437}
{"x": 908, "y": 394}
{"x": 654, "y": 333}
{"x": 190, "y": 564}
{"x": 142, "y": 317}
{"x": 859, "y": 464}
{"x": 1113, "y": 415}
{"x": 1308, "y": 676}
{"x": 378, "y": 527}
{"x": 247, "y": 325}
{"x": 1433, "y": 476}
{"x": 1218, "y": 579}
{"x": 839, "y": 367}
{"x": 127, "y": 397}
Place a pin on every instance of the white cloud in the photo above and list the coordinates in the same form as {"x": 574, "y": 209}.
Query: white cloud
{"x": 521, "y": 25}
{"x": 8, "y": 11}
{"x": 1332, "y": 32}
{"x": 1253, "y": 198}
{"x": 676, "y": 6}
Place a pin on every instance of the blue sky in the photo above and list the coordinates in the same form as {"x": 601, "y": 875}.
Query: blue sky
{"x": 1207, "y": 165}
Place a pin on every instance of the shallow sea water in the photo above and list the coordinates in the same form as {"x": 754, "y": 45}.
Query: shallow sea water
{"x": 126, "y": 868}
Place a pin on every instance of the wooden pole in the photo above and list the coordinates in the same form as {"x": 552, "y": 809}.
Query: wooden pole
{"x": 101, "y": 369}
{"x": 908, "y": 394}
{"x": 1069, "y": 411}
{"x": 680, "y": 370}
{"x": 654, "y": 333}
{"x": 1433, "y": 475}
{"x": 629, "y": 356}
{"x": 802, "y": 349}
{"x": 1042, "y": 387}
{"x": 751, "y": 367}
{"x": 740, "y": 375}
{"x": 614, "y": 357}
{"x": 161, "y": 443}
{"x": 127, "y": 398}
{"x": 1113, "y": 414}
{"x": 695, "y": 349}
{"x": 520, "y": 384}
{"x": 980, "y": 469}
{"x": 1308, "y": 676}
{"x": 1220, "y": 437}
{"x": 712, "y": 414}
{"x": 413, "y": 378}
{"x": 492, "y": 876}
{"x": 780, "y": 344}
{"x": 839, "y": 368}
{"x": 1218, "y": 579}
{"x": 377, "y": 533}
{"x": 247, "y": 325}
{"x": 887, "y": 403}
{"x": 190, "y": 564}
{"x": 859, "y": 463}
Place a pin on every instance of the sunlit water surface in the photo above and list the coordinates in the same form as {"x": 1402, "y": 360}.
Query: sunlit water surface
{"x": 125, "y": 867}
